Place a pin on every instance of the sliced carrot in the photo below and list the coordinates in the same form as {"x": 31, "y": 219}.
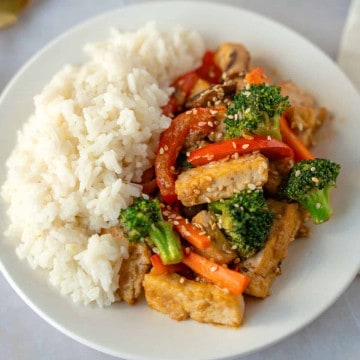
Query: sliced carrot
{"x": 301, "y": 152}
{"x": 221, "y": 276}
{"x": 256, "y": 76}
{"x": 187, "y": 230}
{"x": 160, "y": 269}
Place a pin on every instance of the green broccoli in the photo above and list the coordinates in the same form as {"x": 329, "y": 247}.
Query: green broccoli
{"x": 245, "y": 219}
{"x": 143, "y": 221}
{"x": 309, "y": 184}
{"x": 256, "y": 110}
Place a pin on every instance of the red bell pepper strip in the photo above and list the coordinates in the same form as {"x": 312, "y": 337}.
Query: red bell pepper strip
{"x": 301, "y": 152}
{"x": 183, "y": 85}
{"x": 270, "y": 147}
{"x": 172, "y": 140}
{"x": 182, "y": 88}
{"x": 208, "y": 70}
{"x": 219, "y": 275}
{"x": 186, "y": 229}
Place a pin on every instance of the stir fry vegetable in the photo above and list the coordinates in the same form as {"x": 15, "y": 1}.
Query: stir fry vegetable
{"x": 143, "y": 221}
{"x": 310, "y": 182}
{"x": 234, "y": 186}
{"x": 171, "y": 142}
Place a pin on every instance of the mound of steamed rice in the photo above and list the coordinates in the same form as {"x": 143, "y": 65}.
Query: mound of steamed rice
{"x": 79, "y": 157}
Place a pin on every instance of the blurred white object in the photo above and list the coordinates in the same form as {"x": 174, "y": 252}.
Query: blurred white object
{"x": 349, "y": 53}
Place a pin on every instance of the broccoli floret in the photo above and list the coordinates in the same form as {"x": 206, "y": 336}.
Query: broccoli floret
{"x": 256, "y": 110}
{"x": 309, "y": 184}
{"x": 143, "y": 221}
{"x": 245, "y": 219}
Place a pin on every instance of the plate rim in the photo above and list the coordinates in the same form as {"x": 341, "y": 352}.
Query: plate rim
{"x": 85, "y": 24}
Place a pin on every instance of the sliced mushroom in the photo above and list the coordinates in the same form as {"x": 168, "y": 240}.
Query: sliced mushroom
{"x": 233, "y": 60}
{"x": 213, "y": 95}
{"x": 220, "y": 249}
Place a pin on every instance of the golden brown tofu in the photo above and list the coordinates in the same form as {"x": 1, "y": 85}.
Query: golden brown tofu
{"x": 297, "y": 96}
{"x": 263, "y": 267}
{"x": 221, "y": 179}
{"x": 132, "y": 272}
{"x": 220, "y": 249}
{"x": 133, "y": 269}
{"x": 180, "y": 299}
{"x": 278, "y": 170}
{"x": 304, "y": 121}
{"x": 200, "y": 85}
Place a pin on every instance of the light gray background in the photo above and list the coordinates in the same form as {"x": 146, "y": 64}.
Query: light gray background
{"x": 23, "y": 334}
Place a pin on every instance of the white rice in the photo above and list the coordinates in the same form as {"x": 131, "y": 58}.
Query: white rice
{"x": 78, "y": 158}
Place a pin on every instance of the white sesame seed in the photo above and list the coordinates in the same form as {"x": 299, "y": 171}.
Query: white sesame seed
{"x": 245, "y": 146}
{"x": 234, "y": 247}
{"x": 315, "y": 179}
{"x": 182, "y": 280}
{"x": 213, "y": 268}
{"x": 297, "y": 173}
{"x": 185, "y": 232}
{"x": 252, "y": 186}
{"x": 213, "y": 112}
{"x": 313, "y": 168}
{"x": 176, "y": 223}
{"x": 161, "y": 151}
{"x": 318, "y": 205}
{"x": 234, "y": 144}
{"x": 188, "y": 112}
{"x": 269, "y": 137}
{"x": 166, "y": 148}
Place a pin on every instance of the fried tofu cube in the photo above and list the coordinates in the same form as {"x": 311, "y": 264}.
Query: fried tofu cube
{"x": 133, "y": 268}
{"x": 263, "y": 267}
{"x": 181, "y": 298}
{"x": 221, "y": 179}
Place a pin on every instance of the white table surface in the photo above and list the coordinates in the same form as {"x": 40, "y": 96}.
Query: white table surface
{"x": 23, "y": 334}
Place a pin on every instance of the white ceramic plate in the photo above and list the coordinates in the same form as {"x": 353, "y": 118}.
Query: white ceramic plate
{"x": 317, "y": 269}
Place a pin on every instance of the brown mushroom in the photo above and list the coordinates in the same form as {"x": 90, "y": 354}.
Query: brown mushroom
{"x": 233, "y": 60}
